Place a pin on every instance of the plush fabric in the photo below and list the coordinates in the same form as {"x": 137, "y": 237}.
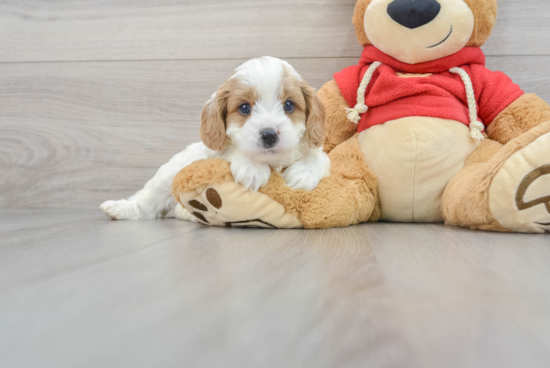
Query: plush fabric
{"x": 441, "y": 94}
{"x": 522, "y": 115}
{"x": 347, "y": 197}
{"x": 485, "y": 13}
{"x": 220, "y": 204}
{"x": 465, "y": 201}
{"x": 436, "y": 29}
{"x": 413, "y": 164}
{"x": 519, "y": 195}
{"x": 338, "y": 128}
{"x": 467, "y": 198}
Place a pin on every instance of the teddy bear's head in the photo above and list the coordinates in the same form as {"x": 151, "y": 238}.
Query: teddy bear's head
{"x": 416, "y": 31}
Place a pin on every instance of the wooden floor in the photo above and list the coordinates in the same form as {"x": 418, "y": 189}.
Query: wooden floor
{"x": 77, "y": 290}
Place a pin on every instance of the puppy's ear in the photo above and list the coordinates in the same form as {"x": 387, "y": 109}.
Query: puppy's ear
{"x": 316, "y": 117}
{"x": 212, "y": 131}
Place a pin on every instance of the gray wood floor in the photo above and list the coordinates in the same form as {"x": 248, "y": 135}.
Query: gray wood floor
{"x": 77, "y": 290}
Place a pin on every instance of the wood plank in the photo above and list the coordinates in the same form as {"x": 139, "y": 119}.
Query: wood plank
{"x": 182, "y": 29}
{"x": 87, "y": 30}
{"x": 40, "y": 235}
{"x": 76, "y": 134}
{"x": 522, "y": 28}
{"x": 98, "y": 293}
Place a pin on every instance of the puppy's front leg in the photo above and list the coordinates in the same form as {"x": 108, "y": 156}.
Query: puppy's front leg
{"x": 306, "y": 173}
{"x": 251, "y": 174}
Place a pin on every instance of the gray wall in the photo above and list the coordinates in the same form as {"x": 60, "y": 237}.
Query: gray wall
{"x": 96, "y": 94}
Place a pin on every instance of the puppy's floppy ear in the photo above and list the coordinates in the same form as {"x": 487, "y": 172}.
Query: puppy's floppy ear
{"x": 212, "y": 131}
{"x": 315, "y": 117}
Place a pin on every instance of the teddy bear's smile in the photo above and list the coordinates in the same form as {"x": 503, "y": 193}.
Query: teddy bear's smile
{"x": 445, "y": 39}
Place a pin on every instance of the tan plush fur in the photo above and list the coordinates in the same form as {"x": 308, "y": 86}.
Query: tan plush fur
{"x": 466, "y": 199}
{"x": 338, "y": 127}
{"x": 211, "y": 171}
{"x": 522, "y": 115}
{"x": 485, "y": 16}
{"x": 358, "y": 21}
{"x": 347, "y": 197}
{"x": 485, "y": 12}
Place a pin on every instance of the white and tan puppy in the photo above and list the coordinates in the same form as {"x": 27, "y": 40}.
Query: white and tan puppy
{"x": 265, "y": 116}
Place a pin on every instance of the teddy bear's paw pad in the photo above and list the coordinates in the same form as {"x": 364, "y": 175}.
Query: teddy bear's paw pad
{"x": 519, "y": 195}
{"x": 227, "y": 204}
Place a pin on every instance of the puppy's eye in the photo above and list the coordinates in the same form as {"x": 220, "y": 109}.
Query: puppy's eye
{"x": 289, "y": 106}
{"x": 245, "y": 109}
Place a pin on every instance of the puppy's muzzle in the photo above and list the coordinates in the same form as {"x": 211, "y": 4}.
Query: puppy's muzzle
{"x": 269, "y": 137}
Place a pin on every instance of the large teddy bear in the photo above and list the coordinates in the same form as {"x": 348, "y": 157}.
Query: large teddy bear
{"x": 418, "y": 131}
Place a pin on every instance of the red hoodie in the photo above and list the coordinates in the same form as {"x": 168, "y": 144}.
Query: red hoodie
{"x": 441, "y": 95}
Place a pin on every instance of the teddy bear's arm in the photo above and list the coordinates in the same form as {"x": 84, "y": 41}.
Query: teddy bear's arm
{"x": 339, "y": 128}
{"x": 523, "y": 114}
{"x": 348, "y": 196}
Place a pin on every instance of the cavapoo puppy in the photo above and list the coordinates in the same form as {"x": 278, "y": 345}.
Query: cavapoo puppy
{"x": 265, "y": 116}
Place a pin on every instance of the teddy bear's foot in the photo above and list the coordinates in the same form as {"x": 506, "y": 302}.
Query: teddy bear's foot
{"x": 519, "y": 196}
{"x": 228, "y": 204}
{"x": 206, "y": 191}
{"x": 504, "y": 188}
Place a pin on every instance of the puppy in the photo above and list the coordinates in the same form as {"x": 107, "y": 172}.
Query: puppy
{"x": 265, "y": 116}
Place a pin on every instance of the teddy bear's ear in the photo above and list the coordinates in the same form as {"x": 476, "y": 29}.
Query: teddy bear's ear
{"x": 359, "y": 21}
{"x": 485, "y": 16}
{"x": 485, "y": 13}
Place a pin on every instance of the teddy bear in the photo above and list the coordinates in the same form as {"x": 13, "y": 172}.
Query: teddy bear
{"x": 419, "y": 130}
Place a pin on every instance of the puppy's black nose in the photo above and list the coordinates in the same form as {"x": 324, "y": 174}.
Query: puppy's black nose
{"x": 269, "y": 137}
{"x": 413, "y": 13}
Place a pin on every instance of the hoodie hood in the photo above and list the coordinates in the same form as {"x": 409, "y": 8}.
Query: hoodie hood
{"x": 466, "y": 56}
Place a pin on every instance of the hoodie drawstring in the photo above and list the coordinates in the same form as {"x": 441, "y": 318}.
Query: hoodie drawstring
{"x": 360, "y": 107}
{"x": 476, "y": 127}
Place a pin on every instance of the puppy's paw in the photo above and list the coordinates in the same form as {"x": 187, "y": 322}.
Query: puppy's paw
{"x": 305, "y": 175}
{"x": 121, "y": 210}
{"x": 251, "y": 175}
{"x": 182, "y": 214}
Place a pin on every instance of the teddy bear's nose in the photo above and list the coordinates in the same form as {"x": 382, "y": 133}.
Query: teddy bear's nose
{"x": 413, "y": 13}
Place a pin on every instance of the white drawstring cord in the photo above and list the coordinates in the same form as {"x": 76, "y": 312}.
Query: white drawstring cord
{"x": 360, "y": 107}
{"x": 475, "y": 126}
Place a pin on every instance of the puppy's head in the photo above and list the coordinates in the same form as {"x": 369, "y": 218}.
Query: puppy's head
{"x": 264, "y": 108}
